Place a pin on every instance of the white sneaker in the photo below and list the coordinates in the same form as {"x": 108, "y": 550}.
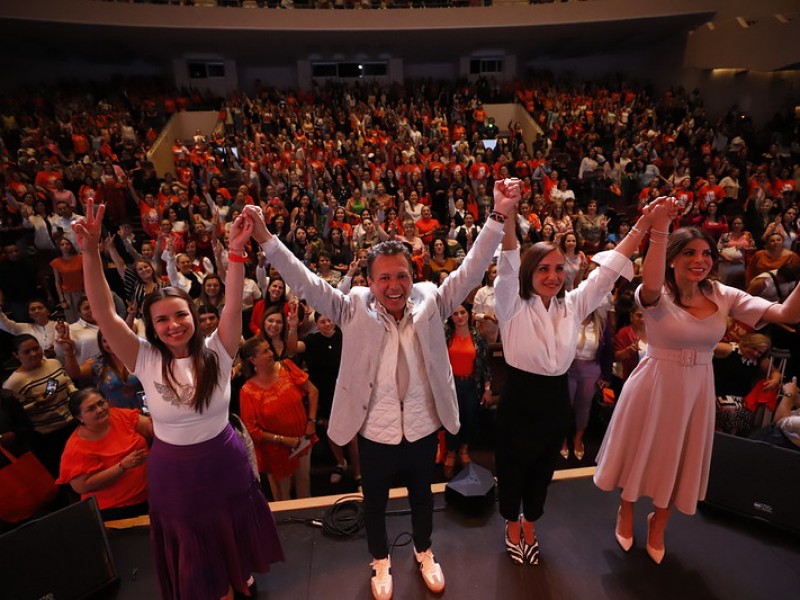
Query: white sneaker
{"x": 382, "y": 578}
{"x": 431, "y": 570}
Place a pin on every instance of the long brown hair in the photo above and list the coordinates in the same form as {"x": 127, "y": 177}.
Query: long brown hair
{"x": 275, "y": 310}
{"x": 108, "y": 361}
{"x": 205, "y": 364}
{"x": 675, "y": 245}
{"x": 530, "y": 260}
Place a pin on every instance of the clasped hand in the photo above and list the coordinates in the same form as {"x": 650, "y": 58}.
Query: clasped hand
{"x": 661, "y": 211}
{"x": 507, "y": 194}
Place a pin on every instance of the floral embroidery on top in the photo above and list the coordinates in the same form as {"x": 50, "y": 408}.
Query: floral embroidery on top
{"x": 184, "y": 397}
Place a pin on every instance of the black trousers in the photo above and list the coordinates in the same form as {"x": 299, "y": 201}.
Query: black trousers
{"x": 532, "y": 419}
{"x": 380, "y": 463}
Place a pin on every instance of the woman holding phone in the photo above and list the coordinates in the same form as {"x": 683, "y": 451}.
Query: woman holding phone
{"x": 42, "y": 387}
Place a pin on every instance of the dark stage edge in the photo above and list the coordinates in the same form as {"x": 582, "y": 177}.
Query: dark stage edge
{"x": 711, "y": 555}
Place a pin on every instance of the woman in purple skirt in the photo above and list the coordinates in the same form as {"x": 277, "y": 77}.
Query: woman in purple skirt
{"x": 210, "y": 526}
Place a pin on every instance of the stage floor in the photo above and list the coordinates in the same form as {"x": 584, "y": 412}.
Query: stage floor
{"x": 709, "y": 556}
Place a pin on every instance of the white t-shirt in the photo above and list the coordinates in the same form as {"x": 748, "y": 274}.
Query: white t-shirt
{"x": 588, "y": 342}
{"x": 174, "y": 420}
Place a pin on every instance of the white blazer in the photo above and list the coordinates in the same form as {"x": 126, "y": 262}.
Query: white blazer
{"x": 364, "y": 334}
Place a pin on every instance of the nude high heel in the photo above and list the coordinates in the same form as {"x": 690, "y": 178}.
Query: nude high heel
{"x": 626, "y": 543}
{"x": 657, "y": 554}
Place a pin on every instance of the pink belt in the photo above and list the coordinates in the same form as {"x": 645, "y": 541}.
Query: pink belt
{"x": 687, "y": 357}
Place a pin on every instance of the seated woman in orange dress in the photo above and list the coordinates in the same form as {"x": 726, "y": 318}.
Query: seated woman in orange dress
{"x": 273, "y": 411}
{"x": 105, "y": 456}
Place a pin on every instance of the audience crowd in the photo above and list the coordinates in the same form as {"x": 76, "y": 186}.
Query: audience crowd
{"x": 337, "y": 169}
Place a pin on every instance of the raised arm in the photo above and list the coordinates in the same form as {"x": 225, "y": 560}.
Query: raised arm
{"x": 122, "y": 340}
{"x": 293, "y": 343}
{"x": 230, "y": 321}
{"x": 324, "y": 298}
{"x": 170, "y": 259}
{"x": 507, "y": 194}
{"x": 7, "y": 324}
{"x": 111, "y": 249}
{"x": 469, "y": 273}
{"x": 659, "y": 216}
{"x": 67, "y": 355}
{"x": 134, "y": 194}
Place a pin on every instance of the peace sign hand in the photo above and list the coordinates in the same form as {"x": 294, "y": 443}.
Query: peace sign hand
{"x": 292, "y": 317}
{"x": 353, "y": 268}
{"x": 89, "y": 228}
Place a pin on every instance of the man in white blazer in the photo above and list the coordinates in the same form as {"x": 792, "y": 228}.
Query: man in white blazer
{"x": 395, "y": 387}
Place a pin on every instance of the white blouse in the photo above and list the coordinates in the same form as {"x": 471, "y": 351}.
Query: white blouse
{"x": 544, "y": 340}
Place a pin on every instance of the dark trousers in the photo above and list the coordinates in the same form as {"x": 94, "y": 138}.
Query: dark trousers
{"x": 469, "y": 401}
{"x": 532, "y": 419}
{"x": 380, "y": 463}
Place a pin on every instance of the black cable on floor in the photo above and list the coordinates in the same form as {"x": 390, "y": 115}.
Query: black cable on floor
{"x": 345, "y": 518}
{"x": 397, "y": 544}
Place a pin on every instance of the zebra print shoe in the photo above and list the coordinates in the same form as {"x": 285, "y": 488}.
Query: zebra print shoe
{"x": 515, "y": 550}
{"x": 530, "y": 551}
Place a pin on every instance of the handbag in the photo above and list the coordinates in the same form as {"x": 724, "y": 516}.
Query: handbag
{"x": 25, "y": 487}
{"x": 603, "y": 404}
{"x": 758, "y": 395}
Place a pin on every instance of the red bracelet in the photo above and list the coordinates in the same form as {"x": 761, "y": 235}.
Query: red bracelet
{"x": 237, "y": 258}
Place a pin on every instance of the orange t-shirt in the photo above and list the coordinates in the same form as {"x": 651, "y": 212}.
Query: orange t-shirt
{"x": 71, "y": 272}
{"x": 427, "y": 228}
{"x": 84, "y": 457}
{"x": 462, "y": 355}
{"x": 80, "y": 144}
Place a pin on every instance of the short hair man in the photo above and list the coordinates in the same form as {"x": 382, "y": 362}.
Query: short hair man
{"x": 396, "y": 389}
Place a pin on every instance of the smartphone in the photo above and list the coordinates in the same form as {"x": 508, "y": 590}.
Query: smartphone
{"x": 51, "y": 387}
{"x": 143, "y": 400}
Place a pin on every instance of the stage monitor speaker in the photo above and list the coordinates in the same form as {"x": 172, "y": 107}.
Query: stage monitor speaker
{"x": 64, "y": 555}
{"x": 472, "y": 490}
{"x": 755, "y": 479}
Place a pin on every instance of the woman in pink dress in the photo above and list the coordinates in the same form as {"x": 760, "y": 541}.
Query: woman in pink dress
{"x": 659, "y": 441}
